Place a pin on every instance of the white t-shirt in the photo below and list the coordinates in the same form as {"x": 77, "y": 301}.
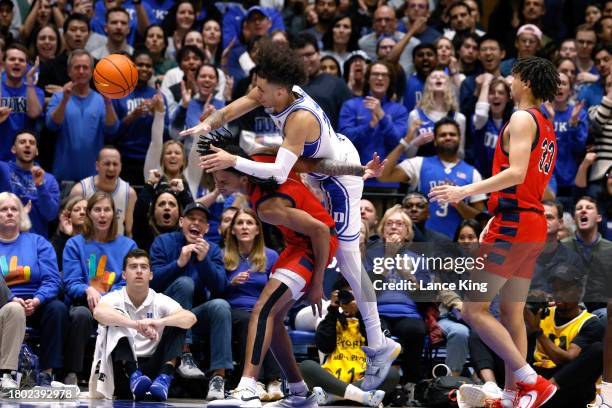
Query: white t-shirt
{"x": 155, "y": 306}
{"x": 412, "y": 168}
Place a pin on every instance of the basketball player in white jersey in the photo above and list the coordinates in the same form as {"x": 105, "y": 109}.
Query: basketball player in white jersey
{"x": 307, "y": 132}
{"x": 108, "y": 167}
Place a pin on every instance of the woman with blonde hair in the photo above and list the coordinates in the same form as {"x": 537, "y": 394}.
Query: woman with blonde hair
{"x": 399, "y": 313}
{"x": 30, "y": 270}
{"x": 438, "y": 101}
{"x": 92, "y": 266}
{"x": 248, "y": 264}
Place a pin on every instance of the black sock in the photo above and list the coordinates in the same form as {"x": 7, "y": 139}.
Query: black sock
{"x": 131, "y": 367}
{"x": 167, "y": 369}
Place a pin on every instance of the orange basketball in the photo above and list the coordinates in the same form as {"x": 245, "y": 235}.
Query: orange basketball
{"x": 115, "y": 76}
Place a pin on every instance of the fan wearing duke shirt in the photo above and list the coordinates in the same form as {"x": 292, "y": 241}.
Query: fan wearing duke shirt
{"x": 424, "y": 173}
{"x": 307, "y": 132}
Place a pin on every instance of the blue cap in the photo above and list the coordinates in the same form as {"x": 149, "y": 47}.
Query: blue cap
{"x": 197, "y": 206}
{"x": 255, "y": 9}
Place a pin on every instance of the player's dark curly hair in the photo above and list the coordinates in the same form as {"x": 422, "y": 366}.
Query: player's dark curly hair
{"x": 279, "y": 64}
{"x": 223, "y": 139}
{"x": 541, "y": 75}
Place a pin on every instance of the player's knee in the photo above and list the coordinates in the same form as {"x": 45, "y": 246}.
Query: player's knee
{"x": 472, "y": 311}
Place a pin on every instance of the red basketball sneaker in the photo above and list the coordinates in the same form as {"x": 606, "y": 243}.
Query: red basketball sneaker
{"x": 534, "y": 395}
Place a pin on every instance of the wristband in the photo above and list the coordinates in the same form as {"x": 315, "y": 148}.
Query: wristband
{"x": 404, "y": 143}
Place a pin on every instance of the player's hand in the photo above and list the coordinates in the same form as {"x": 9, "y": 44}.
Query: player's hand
{"x": 241, "y": 278}
{"x": 5, "y": 111}
{"x": 220, "y": 160}
{"x": 447, "y": 194}
{"x": 315, "y": 297}
{"x": 176, "y": 185}
{"x": 201, "y": 128}
{"x": 374, "y": 168}
{"x": 185, "y": 255}
{"x": 93, "y": 297}
{"x": 201, "y": 249}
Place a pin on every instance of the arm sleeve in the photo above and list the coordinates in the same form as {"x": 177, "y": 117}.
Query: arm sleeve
{"x": 47, "y": 264}
{"x": 155, "y": 147}
{"x": 481, "y": 115}
{"x": 285, "y": 159}
{"x": 48, "y": 198}
{"x": 74, "y": 281}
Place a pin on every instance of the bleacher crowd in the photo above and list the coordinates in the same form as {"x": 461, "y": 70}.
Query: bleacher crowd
{"x": 85, "y": 180}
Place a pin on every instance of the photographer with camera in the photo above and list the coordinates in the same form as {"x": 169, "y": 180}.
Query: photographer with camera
{"x": 340, "y": 336}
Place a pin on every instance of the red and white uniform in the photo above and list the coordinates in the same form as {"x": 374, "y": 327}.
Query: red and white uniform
{"x": 295, "y": 264}
{"x": 518, "y": 231}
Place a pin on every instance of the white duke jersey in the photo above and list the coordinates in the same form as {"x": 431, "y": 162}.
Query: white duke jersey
{"x": 326, "y": 146}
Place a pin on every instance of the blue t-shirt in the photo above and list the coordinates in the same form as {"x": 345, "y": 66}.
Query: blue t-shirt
{"x": 133, "y": 140}
{"x": 443, "y": 218}
{"x": 158, "y": 9}
{"x": 15, "y": 98}
{"x": 80, "y": 136}
{"x": 571, "y": 141}
{"x": 29, "y": 267}
{"x": 96, "y": 264}
{"x": 483, "y": 146}
{"x": 99, "y": 19}
{"x": 245, "y": 295}
{"x": 414, "y": 91}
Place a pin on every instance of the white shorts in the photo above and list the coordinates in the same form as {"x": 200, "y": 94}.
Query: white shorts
{"x": 294, "y": 281}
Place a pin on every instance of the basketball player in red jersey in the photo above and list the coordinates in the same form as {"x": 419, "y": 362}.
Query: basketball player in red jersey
{"x": 522, "y": 167}
{"x": 311, "y": 242}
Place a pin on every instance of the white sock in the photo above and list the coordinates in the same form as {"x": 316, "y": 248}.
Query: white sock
{"x": 349, "y": 262}
{"x": 248, "y": 383}
{"x": 355, "y": 394}
{"x": 526, "y": 374}
{"x": 606, "y": 392}
{"x": 299, "y": 388}
{"x": 508, "y": 398}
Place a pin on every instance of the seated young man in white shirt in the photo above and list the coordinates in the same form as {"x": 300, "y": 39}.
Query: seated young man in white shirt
{"x": 156, "y": 327}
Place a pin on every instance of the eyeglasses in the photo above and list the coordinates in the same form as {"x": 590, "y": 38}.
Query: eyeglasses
{"x": 391, "y": 223}
{"x": 417, "y": 6}
{"x": 379, "y": 75}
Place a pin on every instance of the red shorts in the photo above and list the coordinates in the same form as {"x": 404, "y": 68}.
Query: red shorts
{"x": 513, "y": 243}
{"x": 299, "y": 259}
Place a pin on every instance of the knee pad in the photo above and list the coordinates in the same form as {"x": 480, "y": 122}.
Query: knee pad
{"x": 261, "y": 322}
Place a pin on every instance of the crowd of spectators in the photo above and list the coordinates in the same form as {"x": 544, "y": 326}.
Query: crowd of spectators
{"x": 84, "y": 179}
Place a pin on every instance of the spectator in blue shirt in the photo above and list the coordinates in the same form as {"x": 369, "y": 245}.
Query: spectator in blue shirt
{"x": 593, "y": 92}
{"x": 248, "y": 264}
{"x": 32, "y": 184}
{"x": 190, "y": 269}
{"x": 29, "y": 267}
{"x": 571, "y": 128}
{"x": 374, "y": 123}
{"x": 19, "y": 96}
{"x": 135, "y": 112}
{"x": 425, "y": 61}
{"x": 82, "y": 118}
{"x": 92, "y": 265}
{"x": 159, "y": 9}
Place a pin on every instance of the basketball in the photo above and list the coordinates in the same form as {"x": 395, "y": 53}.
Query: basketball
{"x": 115, "y": 76}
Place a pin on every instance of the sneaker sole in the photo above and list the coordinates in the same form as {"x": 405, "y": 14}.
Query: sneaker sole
{"x": 473, "y": 396}
{"x": 235, "y": 403}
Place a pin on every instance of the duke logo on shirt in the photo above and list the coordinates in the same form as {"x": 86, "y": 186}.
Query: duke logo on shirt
{"x": 13, "y": 273}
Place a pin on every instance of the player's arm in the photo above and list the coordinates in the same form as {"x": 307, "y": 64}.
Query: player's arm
{"x": 228, "y": 113}
{"x": 522, "y": 130}
{"x": 299, "y": 126}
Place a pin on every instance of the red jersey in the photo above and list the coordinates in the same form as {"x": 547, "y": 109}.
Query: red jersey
{"x": 300, "y": 197}
{"x": 529, "y": 194}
